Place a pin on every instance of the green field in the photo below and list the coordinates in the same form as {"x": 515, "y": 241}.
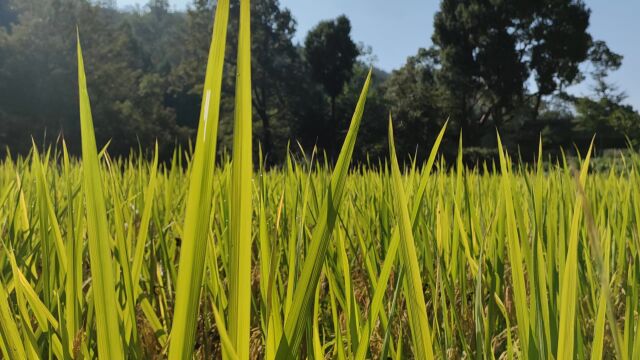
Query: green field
{"x": 128, "y": 258}
{"x": 501, "y": 257}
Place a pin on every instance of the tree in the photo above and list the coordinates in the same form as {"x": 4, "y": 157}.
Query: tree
{"x": 158, "y": 8}
{"x": 130, "y": 93}
{"x": 331, "y": 54}
{"x": 604, "y": 61}
{"x": 412, "y": 94}
{"x": 604, "y": 113}
{"x": 38, "y": 75}
{"x": 490, "y": 49}
{"x": 157, "y": 29}
{"x": 35, "y": 65}
{"x": 278, "y": 73}
{"x": 626, "y": 120}
{"x": 186, "y": 78}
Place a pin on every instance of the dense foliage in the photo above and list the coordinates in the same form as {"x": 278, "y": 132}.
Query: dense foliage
{"x": 463, "y": 230}
{"x": 146, "y": 69}
{"x": 117, "y": 258}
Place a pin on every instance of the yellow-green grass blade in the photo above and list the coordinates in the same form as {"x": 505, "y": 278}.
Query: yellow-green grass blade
{"x": 10, "y": 340}
{"x": 378, "y": 296}
{"x": 544, "y": 297}
{"x": 227, "y": 344}
{"x": 427, "y": 170}
{"x": 51, "y": 242}
{"x": 380, "y": 289}
{"x": 318, "y": 352}
{"x": 292, "y": 239}
{"x": 241, "y": 174}
{"x": 269, "y": 260}
{"x": 22, "y": 218}
{"x": 505, "y": 314}
{"x": 399, "y": 346}
{"x": 44, "y": 318}
{"x": 129, "y": 319}
{"x": 514, "y": 252}
{"x": 342, "y": 267}
{"x": 569, "y": 283}
{"x": 597, "y": 347}
{"x": 26, "y": 327}
{"x": 297, "y": 316}
{"x": 143, "y": 231}
{"x": 338, "y": 346}
{"x": 154, "y": 321}
{"x": 416, "y": 305}
{"x": 199, "y": 198}
{"x": 48, "y": 209}
{"x": 73, "y": 280}
{"x": 108, "y": 322}
{"x": 387, "y": 344}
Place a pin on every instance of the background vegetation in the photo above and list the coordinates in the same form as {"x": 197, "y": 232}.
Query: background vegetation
{"x": 504, "y": 64}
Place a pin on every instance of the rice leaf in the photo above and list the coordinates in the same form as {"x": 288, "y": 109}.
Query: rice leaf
{"x": 416, "y": 305}
{"x": 241, "y": 212}
{"x": 108, "y": 321}
{"x": 297, "y": 316}
{"x": 10, "y": 340}
{"x": 199, "y": 198}
{"x": 569, "y": 283}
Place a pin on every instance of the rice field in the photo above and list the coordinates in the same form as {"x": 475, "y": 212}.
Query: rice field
{"x": 129, "y": 258}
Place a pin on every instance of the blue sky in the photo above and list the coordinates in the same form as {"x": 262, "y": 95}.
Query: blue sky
{"x": 396, "y": 29}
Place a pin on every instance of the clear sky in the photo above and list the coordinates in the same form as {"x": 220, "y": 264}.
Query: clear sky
{"x": 396, "y": 29}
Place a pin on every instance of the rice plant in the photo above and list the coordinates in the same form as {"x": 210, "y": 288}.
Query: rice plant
{"x": 115, "y": 258}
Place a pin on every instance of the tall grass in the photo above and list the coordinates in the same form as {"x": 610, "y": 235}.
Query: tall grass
{"x": 108, "y": 321}
{"x": 128, "y": 258}
{"x": 195, "y": 231}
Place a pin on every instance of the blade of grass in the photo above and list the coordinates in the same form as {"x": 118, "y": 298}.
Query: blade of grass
{"x": 23, "y": 288}
{"x": 378, "y": 295}
{"x": 569, "y": 283}
{"x": 415, "y": 298}
{"x": 227, "y": 344}
{"x": 303, "y": 294}
{"x": 129, "y": 318}
{"x": 108, "y": 321}
{"x": 241, "y": 175}
{"x": 599, "y": 326}
{"x": 387, "y": 343}
{"x": 12, "y": 346}
{"x": 318, "y": 352}
{"x": 47, "y": 204}
{"x": 74, "y": 247}
{"x": 143, "y": 231}
{"x": 199, "y": 198}
{"x": 514, "y": 252}
{"x": 385, "y": 273}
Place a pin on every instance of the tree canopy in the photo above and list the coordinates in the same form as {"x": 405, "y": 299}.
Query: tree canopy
{"x": 500, "y": 63}
{"x": 331, "y": 54}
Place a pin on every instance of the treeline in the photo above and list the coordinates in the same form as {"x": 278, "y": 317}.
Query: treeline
{"x": 501, "y": 64}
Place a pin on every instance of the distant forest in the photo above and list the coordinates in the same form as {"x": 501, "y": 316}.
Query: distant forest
{"x": 501, "y": 65}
